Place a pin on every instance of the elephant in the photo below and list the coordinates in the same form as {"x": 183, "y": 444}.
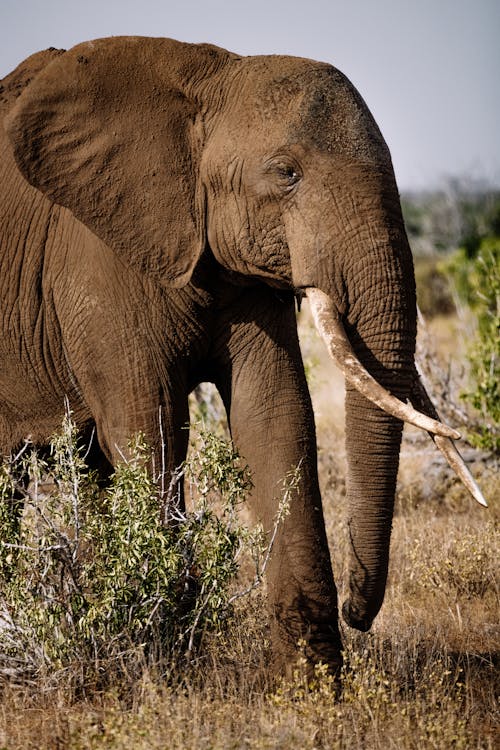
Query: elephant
{"x": 162, "y": 206}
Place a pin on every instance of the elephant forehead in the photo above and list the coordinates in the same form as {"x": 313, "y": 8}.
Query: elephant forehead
{"x": 318, "y": 106}
{"x": 333, "y": 118}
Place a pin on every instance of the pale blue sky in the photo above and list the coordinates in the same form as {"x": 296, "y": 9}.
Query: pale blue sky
{"x": 428, "y": 69}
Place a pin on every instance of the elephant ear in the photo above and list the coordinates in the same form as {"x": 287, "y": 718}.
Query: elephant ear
{"x": 111, "y": 130}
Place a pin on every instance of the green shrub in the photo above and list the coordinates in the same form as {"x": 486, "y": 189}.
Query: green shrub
{"x": 91, "y": 576}
{"x": 478, "y": 284}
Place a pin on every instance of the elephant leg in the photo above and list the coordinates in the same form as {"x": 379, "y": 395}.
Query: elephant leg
{"x": 132, "y": 400}
{"x": 162, "y": 423}
{"x": 272, "y": 426}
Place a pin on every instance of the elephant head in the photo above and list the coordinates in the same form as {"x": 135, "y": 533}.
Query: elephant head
{"x": 275, "y": 166}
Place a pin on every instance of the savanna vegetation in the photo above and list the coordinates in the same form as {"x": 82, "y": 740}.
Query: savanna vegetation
{"x": 455, "y": 236}
{"x": 117, "y": 631}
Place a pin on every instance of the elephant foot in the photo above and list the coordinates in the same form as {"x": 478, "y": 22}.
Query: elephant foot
{"x": 315, "y": 652}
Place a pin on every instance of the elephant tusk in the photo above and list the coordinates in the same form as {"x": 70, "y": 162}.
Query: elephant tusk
{"x": 455, "y": 460}
{"x": 332, "y": 332}
{"x": 421, "y": 414}
{"x": 422, "y": 400}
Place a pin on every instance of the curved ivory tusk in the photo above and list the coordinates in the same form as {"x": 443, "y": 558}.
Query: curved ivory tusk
{"x": 422, "y": 400}
{"x": 332, "y": 332}
{"x": 455, "y": 460}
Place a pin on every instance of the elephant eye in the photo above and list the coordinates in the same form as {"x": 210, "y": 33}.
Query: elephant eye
{"x": 284, "y": 172}
{"x": 287, "y": 174}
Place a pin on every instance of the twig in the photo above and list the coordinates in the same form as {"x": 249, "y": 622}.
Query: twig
{"x": 27, "y": 443}
{"x": 197, "y": 618}
{"x": 283, "y": 509}
{"x": 162, "y": 455}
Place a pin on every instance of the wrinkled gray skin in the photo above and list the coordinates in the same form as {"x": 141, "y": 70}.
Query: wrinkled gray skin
{"x": 159, "y": 205}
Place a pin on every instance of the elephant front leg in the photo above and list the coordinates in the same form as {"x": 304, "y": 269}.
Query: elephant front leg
{"x": 272, "y": 426}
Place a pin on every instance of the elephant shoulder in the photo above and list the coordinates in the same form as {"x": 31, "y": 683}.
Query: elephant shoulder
{"x": 14, "y": 84}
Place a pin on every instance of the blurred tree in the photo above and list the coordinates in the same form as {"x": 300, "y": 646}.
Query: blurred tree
{"x": 460, "y": 214}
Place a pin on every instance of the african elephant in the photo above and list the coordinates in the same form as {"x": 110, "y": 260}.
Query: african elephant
{"x": 161, "y": 206}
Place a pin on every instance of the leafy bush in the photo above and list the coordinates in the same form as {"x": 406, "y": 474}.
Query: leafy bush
{"x": 478, "y": 284}
{"x": 90, "y": 576}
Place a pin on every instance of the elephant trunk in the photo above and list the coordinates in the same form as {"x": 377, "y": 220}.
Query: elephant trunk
{"x": 381, "y": 327}
{"x": 372, "y": 443}
{"x": 376, "y": 353}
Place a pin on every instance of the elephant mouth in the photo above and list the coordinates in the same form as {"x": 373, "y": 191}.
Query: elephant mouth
{"x": 420, "y": 412}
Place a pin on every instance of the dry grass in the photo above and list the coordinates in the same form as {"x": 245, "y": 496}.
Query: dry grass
{"x": 426, "y": 676}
